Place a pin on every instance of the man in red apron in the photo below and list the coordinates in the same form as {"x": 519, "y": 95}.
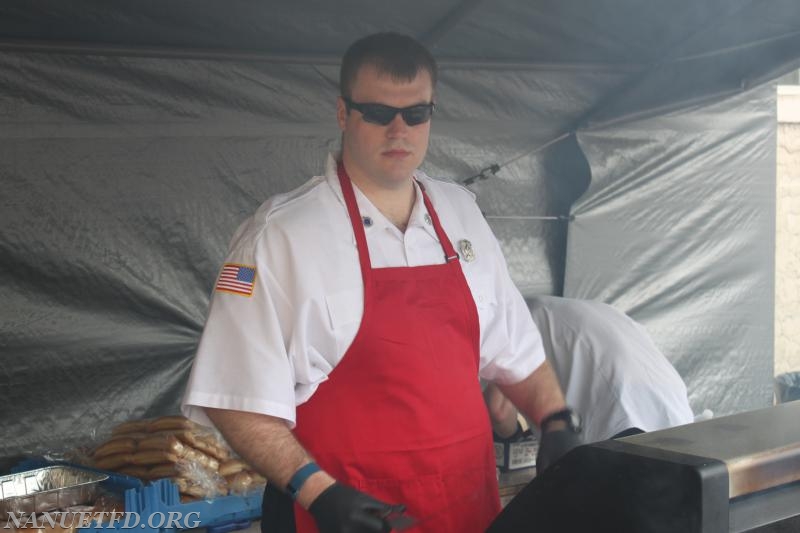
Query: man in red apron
{"x": 400, "y": 419}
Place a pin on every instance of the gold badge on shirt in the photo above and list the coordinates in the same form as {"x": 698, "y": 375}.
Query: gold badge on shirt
{"x": 467, "y": 252}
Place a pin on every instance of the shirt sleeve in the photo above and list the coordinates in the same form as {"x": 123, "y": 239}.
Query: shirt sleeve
{"x": 241, "y": 362}
{"x": 511, "y": 346}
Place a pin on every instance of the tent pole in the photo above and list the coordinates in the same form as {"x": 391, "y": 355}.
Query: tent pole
{"x": 78, "y": 48}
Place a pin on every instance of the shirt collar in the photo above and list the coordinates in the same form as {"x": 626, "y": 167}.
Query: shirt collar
{"x": 419, "y": 213}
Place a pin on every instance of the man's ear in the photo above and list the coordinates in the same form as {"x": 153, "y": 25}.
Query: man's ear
{"x": 341, "y": 113}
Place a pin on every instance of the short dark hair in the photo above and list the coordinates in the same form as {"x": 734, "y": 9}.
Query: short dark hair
{"x": 399, "y": 56}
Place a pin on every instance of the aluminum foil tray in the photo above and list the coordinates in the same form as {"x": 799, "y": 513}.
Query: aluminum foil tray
{"x": 47, "y": 489}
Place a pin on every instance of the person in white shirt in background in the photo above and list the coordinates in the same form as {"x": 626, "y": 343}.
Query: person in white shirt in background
{"x": 609, "y": 368}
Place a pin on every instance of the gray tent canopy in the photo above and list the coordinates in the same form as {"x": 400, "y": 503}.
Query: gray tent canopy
{"x": 633, "y": 143}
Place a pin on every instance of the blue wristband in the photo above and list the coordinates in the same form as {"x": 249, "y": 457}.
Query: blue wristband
{"x": 300, "y": 477}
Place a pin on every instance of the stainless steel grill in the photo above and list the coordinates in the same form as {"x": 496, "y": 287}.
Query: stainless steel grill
{"x": 739, "y": 473}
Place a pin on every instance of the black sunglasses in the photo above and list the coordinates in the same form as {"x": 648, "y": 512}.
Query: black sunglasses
{"x": 384, "y": 114}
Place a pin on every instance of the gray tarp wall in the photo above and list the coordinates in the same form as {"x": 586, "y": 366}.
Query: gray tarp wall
{"x": 125, "y": 171}
{"x": 124, "y": 178}
{"x": 677, "y": 229}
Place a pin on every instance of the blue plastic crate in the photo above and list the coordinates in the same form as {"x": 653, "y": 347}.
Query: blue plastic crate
{"x": 155, "y": 504}
{"x": 160, "y": 510}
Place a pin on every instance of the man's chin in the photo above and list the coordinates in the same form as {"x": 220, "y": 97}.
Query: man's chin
{"x": 397, "y": 180}
{"x": 394, "y": 174}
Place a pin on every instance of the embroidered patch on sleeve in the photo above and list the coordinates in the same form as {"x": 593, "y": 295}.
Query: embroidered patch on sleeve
{"x": 237, "y": 279}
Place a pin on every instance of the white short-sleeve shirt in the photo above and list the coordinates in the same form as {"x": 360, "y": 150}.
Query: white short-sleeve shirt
{"x": 267, "y": 352}
{"x": 610, "y": 370}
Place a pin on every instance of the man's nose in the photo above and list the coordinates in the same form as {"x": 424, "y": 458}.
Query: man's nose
{"x": 397, "y": 127}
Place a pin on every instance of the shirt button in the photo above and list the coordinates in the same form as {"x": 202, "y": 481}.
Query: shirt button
{"x": 428, "y": 220}
{"x": 367, "y": 221}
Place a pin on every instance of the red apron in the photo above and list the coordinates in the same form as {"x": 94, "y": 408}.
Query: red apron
{"x": 402, "y": 417}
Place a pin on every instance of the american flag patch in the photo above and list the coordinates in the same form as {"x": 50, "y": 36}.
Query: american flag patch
{"x": 237, "y": 279}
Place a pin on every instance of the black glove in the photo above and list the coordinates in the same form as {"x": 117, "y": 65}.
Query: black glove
{"x": 553, "y": 443}
{"x": 342, "y": 509}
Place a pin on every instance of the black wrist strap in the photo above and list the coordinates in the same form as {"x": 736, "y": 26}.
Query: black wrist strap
{"x": 566, "y": 415}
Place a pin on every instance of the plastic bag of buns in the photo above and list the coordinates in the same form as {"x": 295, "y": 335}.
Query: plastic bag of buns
{"x": 195, "y": 481}
{"x": 195, "y": 458}
{"x": 244, "y": 482}
{"x": 136, "y": 446}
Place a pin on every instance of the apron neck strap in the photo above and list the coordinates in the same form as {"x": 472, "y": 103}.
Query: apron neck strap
{"x": 449, "y": 253}
{"x": 358, "y": 226}
{"x": 355, "y": 219}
